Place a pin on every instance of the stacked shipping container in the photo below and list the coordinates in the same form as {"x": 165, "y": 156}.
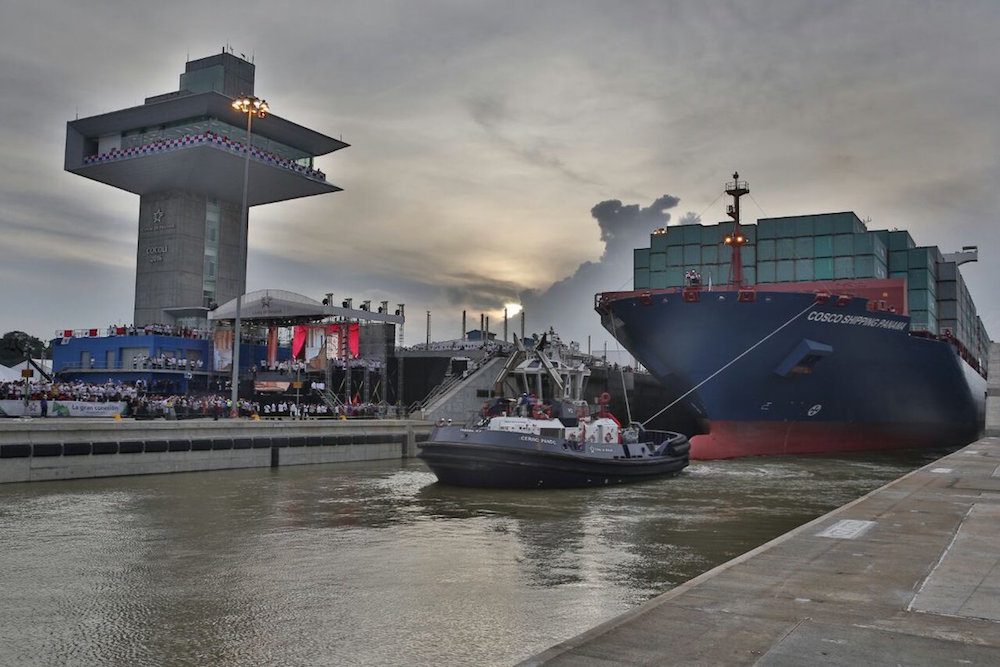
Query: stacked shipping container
{"x": 825, "y": 246}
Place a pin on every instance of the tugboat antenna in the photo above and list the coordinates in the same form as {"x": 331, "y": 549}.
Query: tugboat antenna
{"x": 735, "y": 240}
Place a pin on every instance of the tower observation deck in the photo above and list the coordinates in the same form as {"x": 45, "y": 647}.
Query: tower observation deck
{"x": 183, "y": 153}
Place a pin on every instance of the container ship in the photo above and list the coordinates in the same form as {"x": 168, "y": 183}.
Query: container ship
{"x": 805, "y": 335}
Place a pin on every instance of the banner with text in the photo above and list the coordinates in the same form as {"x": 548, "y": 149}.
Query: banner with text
{"x": 61, "y": 409}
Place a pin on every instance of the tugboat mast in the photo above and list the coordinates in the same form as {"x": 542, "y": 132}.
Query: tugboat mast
{"x": 735, "y": 240}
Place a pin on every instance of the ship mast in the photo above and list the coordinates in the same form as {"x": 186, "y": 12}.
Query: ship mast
{"x": 735, "y": 240}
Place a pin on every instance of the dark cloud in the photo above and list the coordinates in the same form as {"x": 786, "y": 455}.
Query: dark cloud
{"x": 568, "y": 303}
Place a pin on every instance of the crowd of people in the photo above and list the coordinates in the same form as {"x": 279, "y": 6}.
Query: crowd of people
{"x": 151, "y": 400}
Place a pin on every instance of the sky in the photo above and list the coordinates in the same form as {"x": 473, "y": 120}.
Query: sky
{"x": 510, "y": 152}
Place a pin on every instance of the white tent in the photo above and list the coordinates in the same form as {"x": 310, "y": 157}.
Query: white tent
{"x": 9, "y": 374}
{"x": 43, "y": 363}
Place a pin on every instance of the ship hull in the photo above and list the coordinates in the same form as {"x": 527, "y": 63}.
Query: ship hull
{"x": 785, "y": 374}
{"x": 492, "y": 459}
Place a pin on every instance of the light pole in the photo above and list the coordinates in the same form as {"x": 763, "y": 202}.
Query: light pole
{"x": 251, "y": 106}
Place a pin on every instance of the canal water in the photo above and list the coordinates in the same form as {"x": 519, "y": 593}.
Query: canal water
{"x": 373, "y": 563}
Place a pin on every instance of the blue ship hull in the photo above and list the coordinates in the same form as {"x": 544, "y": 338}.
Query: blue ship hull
{"x": 783, "y": 373}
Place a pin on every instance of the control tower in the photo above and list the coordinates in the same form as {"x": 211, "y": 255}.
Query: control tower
{"x": 183, "y": 153}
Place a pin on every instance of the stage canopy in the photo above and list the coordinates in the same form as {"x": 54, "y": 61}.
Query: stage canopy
{"x": 285, "y": 308}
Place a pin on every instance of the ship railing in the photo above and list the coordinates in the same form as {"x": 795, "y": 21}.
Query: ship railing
{"x": 655, "y": 436}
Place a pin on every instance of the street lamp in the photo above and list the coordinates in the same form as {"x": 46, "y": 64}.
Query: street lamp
{"x": 251, "y": 106}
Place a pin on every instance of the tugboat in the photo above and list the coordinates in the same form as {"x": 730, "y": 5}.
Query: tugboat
{"x": 561, "y": 443}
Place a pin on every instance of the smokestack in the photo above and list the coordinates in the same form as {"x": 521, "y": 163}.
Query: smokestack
{"x": 588, "y": 345}
{"x": 487, "y": 328}
{"x": 522, "y": 325}
{"x": 463, "y": 325}
{"x": 482, "y": 324}
{"x": 505, "y": 324}
{"x": 428, "y": 329}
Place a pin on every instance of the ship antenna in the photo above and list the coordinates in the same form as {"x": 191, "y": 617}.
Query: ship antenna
{"x": 736, "y": 240}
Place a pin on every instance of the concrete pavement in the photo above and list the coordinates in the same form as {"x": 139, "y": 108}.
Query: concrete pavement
{"x": 907, "y": 575}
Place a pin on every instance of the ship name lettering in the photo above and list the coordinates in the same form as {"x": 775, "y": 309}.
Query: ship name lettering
{"x": 856, "y": 320}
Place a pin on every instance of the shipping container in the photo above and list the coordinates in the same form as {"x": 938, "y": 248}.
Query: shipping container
{"x": 843, "y": 267}
{"x": 923, "y": 258}
{"x": 675, "y": 277}
{"x": 692, "y": 255}
{"x": 843, "y": 245}
{"x": 947, "y": 308}
{"x": 766, "y": 272}
{"x": 898, "y": 261}
{"x": 786, "y": 248}
{"x": 657, "y": 279}
{"x": 864, "y": 266}
{"x": 900, "y": 240}
{"x": 640, "y": 279}
{"x": 823, "y": 225}
{"x": 659, "y": 242}
{"x": 921, "y": 299}
{"x": 947, "y": 271}
{"x": 785, "y": 271}
{"x": 921, "y": 279}
{"x": 804, "y": 269}
{"x": 823, "y": 268}
{"x": 823, "y": 246}
{"x": 640, "y": 258}
{"x": 750, "y": 275}
{"x": 675, "y": 255}
{"x": 710, "y": 253}
{"x": 748, "y": 255}
{"x": 804, "y": 247}
{"x": 766, "y": 249}
{"x": 767, "y": 229}
{"x": 658, "y": 261}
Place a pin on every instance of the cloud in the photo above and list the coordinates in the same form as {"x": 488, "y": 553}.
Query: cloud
{"x": 568, "y": 303}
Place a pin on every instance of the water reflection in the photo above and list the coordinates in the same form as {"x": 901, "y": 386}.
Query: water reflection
{"x": 372, "y": 563}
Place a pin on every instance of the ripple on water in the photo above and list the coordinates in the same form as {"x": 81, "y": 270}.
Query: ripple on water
{"x": 304, "y": 565}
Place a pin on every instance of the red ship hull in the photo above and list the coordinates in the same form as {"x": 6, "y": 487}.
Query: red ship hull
{"x": 730, "y": 439}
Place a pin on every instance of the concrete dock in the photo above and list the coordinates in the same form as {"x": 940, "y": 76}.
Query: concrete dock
{"x": 906, "y": 575}
{"x": 78, "y": 447}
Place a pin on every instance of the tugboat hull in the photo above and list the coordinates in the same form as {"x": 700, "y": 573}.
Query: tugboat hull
{"x": 529, "y": 463}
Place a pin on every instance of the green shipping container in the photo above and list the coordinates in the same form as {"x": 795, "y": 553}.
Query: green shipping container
{"x": 785, "y": 271}
{"x": 640, "y": 258}
{"x": 657, "y": 279}
{"x": 921, "y": 279}
{"x": 805, "y": 247}
{"x": 691, "y": 234}
{"x": 692, "y": 255}
{"x": 658, "y": 261}
{"x": 675, "y": 277}
{"x": 786, "y": 248}
{"x": 710, "y": 254}
{"x": 640, "y": 279}
{"x": 823, "y": 246}
{"x": 843, "y": 245}
{"x": 823, "y": 225}
{"x": 921, "y": 299}
{"x": 898, "y": 261}
{"x": 766, "y": 249}
{"x": 659, "y": 243}
{"x": 748, "y": 255}
{"x": 804, "y": 226}
{"x": 804, "y": 269}
{"x": 900, "y": 240}
{"x": 823, "y": 268}
{"x": 864, "y": 266}
{"x": 675, "y": 255}
{"x": 767, "y": 229}
{"x": 750, "y": 275}
{"x": 843, "y": 267}
{"x": 766, "y": 272}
